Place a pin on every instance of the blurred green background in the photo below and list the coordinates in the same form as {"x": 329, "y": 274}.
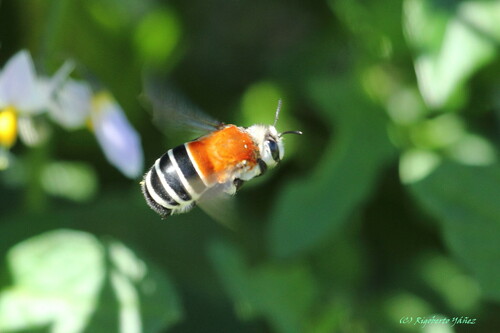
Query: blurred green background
{"x": 386, "y": 212}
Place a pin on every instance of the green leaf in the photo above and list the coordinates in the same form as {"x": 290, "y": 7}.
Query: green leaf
{"x": 156, "y": 36}
{"x": 116, "y": 15}
{"x": 71, "y": 180}
{"x": 56, "y": 279}
{"x": 314, "y": 207}
{"x": 61, "y": 279}
{"x": 259, "y": 103}
{"x": 452, "y": 41}
{"x": 464, "y": 200}
{"x": 282, "y": 294}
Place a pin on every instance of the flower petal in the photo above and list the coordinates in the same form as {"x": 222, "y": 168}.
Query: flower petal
{"x": 70, "y": 106}
{"x": 18, "y": 84}
{"x": 60, "y": 77}
{"x": 118, "y": 139}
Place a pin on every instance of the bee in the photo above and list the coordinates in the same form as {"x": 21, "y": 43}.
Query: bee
{"x": 213, "y": 164}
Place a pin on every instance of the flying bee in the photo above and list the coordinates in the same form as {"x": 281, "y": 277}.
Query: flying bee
{"x": 213, "y": 164}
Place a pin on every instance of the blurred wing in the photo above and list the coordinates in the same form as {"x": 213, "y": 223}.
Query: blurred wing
{"x": 171, "y": 110}
{"x": 220, "y": 206}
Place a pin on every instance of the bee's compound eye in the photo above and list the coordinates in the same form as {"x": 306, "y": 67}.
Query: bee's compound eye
{"x": 274, "y": 150}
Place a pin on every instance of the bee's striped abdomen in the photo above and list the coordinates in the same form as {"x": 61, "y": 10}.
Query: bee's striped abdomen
{"x": 172, "y": 184}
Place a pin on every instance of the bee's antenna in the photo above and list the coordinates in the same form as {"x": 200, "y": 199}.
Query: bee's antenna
{"x": 276, "y": 116}
{"x": 290, "y": 132}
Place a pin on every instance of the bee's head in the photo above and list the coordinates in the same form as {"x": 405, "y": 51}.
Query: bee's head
{"x": 269, "y": 141}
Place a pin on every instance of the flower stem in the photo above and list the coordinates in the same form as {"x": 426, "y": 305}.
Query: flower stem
{"x": 36, "y": 198}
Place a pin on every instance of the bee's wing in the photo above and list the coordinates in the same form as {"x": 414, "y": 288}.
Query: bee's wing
{"x": 171, "y": 110}
{"x": 220, "y": 205}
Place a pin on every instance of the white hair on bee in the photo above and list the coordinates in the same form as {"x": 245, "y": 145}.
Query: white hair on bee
{"x": 267, "y": 139}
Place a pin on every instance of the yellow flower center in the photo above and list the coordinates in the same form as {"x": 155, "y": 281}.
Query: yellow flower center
{"x": 98, "y": 102}
{"x": 8, "y": 127}
{"x": 101, "y": 98}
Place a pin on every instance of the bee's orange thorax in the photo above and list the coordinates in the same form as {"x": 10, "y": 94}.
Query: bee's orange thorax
{"x": 220, "y": 152}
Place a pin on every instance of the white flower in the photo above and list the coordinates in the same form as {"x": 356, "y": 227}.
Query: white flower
{"x": 20, "y": 87}
{"x": 24, "y": 95}
{"x": 118, "y": 139}
{"x": 21, "y": 95}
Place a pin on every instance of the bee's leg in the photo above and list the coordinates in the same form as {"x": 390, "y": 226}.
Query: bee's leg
{"x": 231, "y": 187}
{"x": 238, "y": 183}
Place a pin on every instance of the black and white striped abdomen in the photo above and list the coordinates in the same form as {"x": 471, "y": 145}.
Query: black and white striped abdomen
{"x": 172, "y": 185}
